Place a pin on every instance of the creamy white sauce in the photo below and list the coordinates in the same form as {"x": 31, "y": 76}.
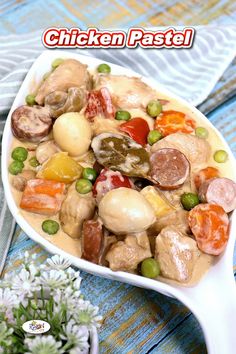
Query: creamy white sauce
{"x": 73, "y": 246}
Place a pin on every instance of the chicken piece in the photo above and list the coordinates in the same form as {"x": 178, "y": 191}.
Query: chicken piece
{"x": 46, "y": 150}
{"x": 71, "y": 73}
{"x": 196, "y": 150}
{"x": 102, "y": 125}
{"x": 19, "y": 182}
{"x": 126, "y": 255}
{"x": 176, "y": 253}
{"x": 76, "y": 208}
{"x": 109, "y": 240}
{"x": 127, "y": 92}
{"x": 178, "y": 219}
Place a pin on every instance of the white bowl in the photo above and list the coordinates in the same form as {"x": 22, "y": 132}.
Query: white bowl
{"x": 38, "y": 69}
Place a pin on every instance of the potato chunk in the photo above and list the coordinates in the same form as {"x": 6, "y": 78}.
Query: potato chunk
{"x": 61, "y": 168}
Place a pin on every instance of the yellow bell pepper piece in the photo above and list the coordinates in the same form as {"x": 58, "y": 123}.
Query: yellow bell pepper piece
{"x": 61, "y": 168}
{"x": 160, "y": 206}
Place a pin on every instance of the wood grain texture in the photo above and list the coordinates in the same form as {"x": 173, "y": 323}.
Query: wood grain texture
{"x": 23, "y": 16}
{"x": 136, "y": 321}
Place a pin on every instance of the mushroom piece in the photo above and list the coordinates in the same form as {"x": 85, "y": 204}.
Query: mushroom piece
{"x": 60, "y": 102}
{"x": 76, "y": 208}
{"x": 126, "y": 255}
{"x": 176, "y": 254}
{"x": 45, "y": 150}
{"x": 19, "y": 182}
{"x": 71, "y": 73}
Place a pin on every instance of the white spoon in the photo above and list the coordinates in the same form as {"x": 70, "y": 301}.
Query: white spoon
{"x": 213, "y": 299}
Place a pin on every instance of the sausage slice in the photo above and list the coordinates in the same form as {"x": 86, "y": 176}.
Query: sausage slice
{"x": 31, "y": 123}
{"x": 169, "y": 168}
{"x": 220, "y": 191}
{"x": 92, "y": 240}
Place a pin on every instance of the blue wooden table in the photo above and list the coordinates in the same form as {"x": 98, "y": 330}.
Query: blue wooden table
{"x": 135, "y": 320}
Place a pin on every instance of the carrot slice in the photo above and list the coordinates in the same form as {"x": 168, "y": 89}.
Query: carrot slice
{"x": 210, "y": 225}
{"x": 42, "y": 196}
{"x": 170, "y": 122}
{"x": 205, "y": 174}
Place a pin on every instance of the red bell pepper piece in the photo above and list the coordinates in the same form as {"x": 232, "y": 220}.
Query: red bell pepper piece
{"x": 94, "y": 106}
{"x": 108, "y": 180}
{"x": 106, "y": 103}
{"x": 137, "y": 129}
{"x": 100, "y": 102}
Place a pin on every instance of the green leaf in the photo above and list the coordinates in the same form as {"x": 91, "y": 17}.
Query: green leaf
{"x": 120, "y": 153}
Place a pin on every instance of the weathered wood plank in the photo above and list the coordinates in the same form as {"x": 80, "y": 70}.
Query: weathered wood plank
{"x": 135, "y": 320}
{"x": 23, "y": 16}
{"x": 186, "y": 338}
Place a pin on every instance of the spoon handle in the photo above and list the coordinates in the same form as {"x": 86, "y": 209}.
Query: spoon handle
{"x": 214, "y": 305}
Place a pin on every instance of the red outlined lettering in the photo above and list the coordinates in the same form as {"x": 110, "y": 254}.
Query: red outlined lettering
{"x": 75, "y": 38}
{"x": 93, "y": 38}
{"x": 169, "y": 38}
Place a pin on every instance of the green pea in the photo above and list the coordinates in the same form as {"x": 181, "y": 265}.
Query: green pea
{"x": 220, "y": 156}
{"x": 30, "y": 100}
{"x": 189, "y": 200}
{"x": 83, "y": 186}
{"x": 90, "y": 174}
{"x": 150, "y": 268}
{"x": 104, "y": 68}
{"x": 154, "y": 108}
{"x": 33, "y": 162}
{"x": 50, "y": 227}
{"x": 19, "y": 154}
{"x": 57, "y": 62}
{"x": 153, "y": 137}
{"x": 123, "y": 115}
{"x": 201, "y": 132}
{"x": 16, "y": 167}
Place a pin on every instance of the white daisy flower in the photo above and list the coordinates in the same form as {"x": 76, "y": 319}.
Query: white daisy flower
{"x": 87, "y": 314}
{"x": 5, "y": 335}
{"x": 58, "y": 262}
{"x": 67, "y": 298}
{"x": 26, "y": 255}
{"x": 77, "y": 336}
{"x": 33, "y": 270}
{"x": 24, "y": 284}
{"x": 53, "y": 279}
{"x": 77, "y": 283}
{"x": 72, "y": 274}
{"x": 8, "y": 301}
{"x": 43, "y": 345}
